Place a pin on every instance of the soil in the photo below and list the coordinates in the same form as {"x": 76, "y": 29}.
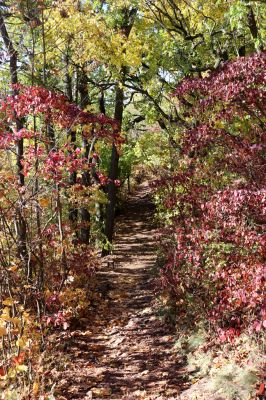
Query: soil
{"x": 128, "y": 351}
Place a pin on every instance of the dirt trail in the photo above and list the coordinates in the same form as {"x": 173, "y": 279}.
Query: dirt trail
{"x": 128, "y": 352}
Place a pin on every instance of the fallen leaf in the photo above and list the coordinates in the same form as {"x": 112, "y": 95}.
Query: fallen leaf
{"x": 101, "y": 391}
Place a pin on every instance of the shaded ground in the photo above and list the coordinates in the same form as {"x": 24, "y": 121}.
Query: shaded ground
{"x": 127, "y": 353}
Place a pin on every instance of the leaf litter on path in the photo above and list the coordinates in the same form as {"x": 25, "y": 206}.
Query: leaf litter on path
{"x": 125, "y": 351}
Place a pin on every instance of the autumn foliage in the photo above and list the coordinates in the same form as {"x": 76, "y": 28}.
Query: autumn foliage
{"x": 185, "y": 84}
{"x": 44, "y": 262}
{"x": 215, "y": 241}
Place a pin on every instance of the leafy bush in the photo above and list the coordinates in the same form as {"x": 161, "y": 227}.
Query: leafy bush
{"x": 215, "y": 204}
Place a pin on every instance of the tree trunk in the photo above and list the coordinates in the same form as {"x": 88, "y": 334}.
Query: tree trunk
{"x": 86, "y": 181}
{"x": 102, "y": 102}
{"x": 73, "y": 211}
{"x": 21, "y": 223}
{"x": 113, "y": 171}
{"x": 84, "y": 213}
{"x": 252, "y": 24}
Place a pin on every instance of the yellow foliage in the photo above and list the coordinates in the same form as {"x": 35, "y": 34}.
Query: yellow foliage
{"x": 15, "y": 321}
{"x": 80, "y": 195}
{"x": 22, "y": 368}
{"x": 36, "y": 388}
{"x": 195, "y": 14}
{"x": 8, "y": 302}
{"x": 74, "y": 300}
{"x": 92, "y": 37}
{"x": 5, "y": 314}
{"x": 22, "y": 342}
{"x": 3, "y": 331}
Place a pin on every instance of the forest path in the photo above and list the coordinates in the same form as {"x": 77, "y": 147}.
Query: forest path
{"x": 127, "y": 353}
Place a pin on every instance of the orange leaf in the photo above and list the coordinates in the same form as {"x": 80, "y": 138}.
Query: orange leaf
{"x": 19, "y": 359}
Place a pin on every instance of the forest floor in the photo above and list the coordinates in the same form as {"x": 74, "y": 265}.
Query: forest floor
{"x": 127, "y": 352}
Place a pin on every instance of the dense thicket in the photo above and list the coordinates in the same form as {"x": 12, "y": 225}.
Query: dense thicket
{"x": 216, "y": 256}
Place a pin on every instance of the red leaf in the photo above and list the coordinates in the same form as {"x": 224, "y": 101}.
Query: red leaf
{"x": 261, "y": 389}
{"x": 19, "y": 359}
